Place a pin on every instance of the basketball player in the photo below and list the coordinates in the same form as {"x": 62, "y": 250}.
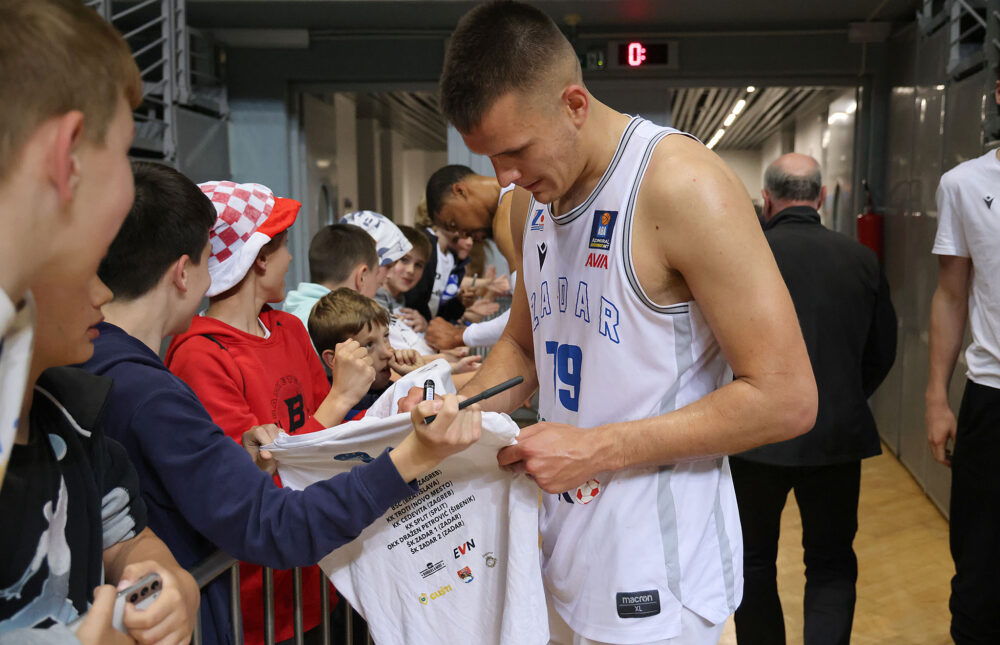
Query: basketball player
{"x": 645, "y": 277}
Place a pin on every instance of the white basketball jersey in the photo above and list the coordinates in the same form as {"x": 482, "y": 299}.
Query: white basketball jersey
{"x": 624, "y": 553}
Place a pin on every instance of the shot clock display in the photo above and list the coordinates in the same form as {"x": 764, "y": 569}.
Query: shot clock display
{"x": 639, "y": 54}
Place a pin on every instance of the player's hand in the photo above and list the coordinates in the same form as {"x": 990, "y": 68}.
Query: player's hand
{"x": 412, "y": 318}
{"x": 442, "y": 335}
{"x": 467, "y": 364}
{"x": 171, "y": 617}
{"x": 557, "y": 456}
{"x": 256, "y": 437}
{"x": 404, "y": 361}
{"x": 353, "y": 371}
{"x": 941, "y": 426}
{"x": 95, "y": 627}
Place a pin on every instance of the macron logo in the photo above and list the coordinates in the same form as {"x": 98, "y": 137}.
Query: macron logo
{"x": 989, "y": 201}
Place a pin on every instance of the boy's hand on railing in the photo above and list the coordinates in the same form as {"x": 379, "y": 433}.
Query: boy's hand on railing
{"x": 95, "y": 626}
{"x": 256, "y": 437}
{"x": 171, "y": 617}
{"x": 451, "y": 432}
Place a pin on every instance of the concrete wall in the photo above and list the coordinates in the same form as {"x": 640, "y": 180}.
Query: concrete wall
{"x": 747, "y": 166}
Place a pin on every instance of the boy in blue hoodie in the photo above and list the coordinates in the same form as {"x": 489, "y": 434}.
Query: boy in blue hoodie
{"x": 202, "y": 490}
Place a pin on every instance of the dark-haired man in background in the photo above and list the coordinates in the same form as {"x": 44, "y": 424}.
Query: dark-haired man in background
{"x": 842, "y": 300}
{"x": 647, "y": 276}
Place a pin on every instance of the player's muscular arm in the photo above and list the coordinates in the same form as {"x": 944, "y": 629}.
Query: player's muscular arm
{"x": 700, "y": 217}
{"x": 513, "y": 354}
{"x": 695, "y": 217}
{"x": 949, "y": 314}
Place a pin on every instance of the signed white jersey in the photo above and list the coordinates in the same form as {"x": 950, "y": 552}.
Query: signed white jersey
{"x": 623, "y": 553}
{"x": 457, "y": 562}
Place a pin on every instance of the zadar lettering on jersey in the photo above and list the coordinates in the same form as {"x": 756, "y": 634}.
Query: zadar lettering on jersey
{"x": 607, "y": 313}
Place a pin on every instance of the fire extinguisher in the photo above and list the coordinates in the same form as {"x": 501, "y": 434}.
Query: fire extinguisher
{"x": 870, "y": 225}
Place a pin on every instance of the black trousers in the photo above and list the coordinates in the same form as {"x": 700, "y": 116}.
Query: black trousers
{"x": 975, "y": 518}
{"x": 828, "y": 502}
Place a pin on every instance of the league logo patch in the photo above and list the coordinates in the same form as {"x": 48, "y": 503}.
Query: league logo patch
{"x": 538, "y": 220}
{"x": 465, "y": 575}
{"x": 604, "y": 226}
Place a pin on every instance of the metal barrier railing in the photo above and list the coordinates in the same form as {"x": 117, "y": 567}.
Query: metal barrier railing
{"x": 220, "y": 562}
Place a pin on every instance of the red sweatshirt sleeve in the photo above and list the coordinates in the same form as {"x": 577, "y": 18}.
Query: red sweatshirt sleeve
{"x": 215, "y": 378}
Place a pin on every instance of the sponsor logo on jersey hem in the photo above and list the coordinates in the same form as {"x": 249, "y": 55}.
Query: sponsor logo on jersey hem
{"x": 432, "y": 568}
{"x": 597, "y": 260}
{"x": 638, "y": 604}
{"x": 601, "y": 230}
{"x": 538, "y": 220}
{"x": 543, "y": 250}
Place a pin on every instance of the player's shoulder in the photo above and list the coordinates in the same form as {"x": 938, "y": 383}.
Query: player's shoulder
{"x": 960, "y": 175}
{"x": 679, "y": 161}
{"x": 683, "y": 175}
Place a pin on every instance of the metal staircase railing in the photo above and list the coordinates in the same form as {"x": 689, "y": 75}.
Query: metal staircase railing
{"x": 179, "y": 65}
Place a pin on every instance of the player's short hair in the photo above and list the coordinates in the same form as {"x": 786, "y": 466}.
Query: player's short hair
{"x": 783, "y": 185}
{"x": 337, "y": 249}
{"x": 421, "y": 243}
{"x": 170, "y": 217}
{"x": 57, "y": 56}
{"x": 439, "y": 187}
{"x": 498, "y": 47}
{"x": 341, "y": 314}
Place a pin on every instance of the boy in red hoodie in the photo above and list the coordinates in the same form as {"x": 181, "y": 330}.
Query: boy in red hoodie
{"x": 252, "y": 365}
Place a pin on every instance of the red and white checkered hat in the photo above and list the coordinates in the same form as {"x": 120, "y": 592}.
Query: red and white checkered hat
{"x": 250, "y": 216}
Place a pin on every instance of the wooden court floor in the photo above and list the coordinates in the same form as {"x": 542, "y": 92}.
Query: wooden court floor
{"x": 904, "y": 567}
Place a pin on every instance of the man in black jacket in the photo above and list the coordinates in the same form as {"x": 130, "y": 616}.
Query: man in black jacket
{"x": 842, "y": 300}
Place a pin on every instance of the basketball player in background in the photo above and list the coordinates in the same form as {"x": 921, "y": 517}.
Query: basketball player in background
{"x": 645, "y": 277}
